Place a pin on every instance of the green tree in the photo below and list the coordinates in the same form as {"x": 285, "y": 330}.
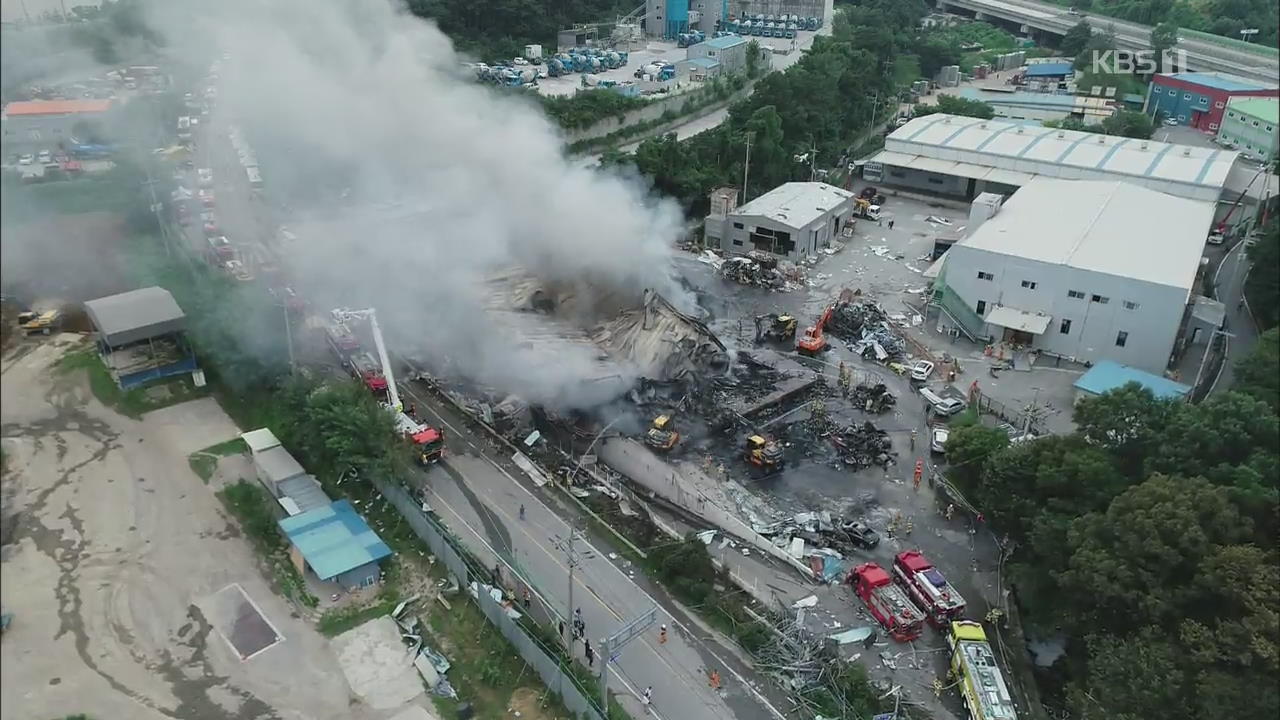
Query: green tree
{"x": 770, "y": 161}
{"x": 1227, "y": 429}
{"x": 753, "y": 59}
{"x": 1076, "y": 39}
{"x": 1258, "y": 373}
{"x": 1263, "y": 284}
{"x": 1134, "y": 564}
{"x": 969, "y": 449}
{"x": 953, "y": 105}
{"x": 1129, "y": 677}
{"x": 1129, "y": 123}
{"x": 1164, "y": 37}
{"x": 1127, "y": 421}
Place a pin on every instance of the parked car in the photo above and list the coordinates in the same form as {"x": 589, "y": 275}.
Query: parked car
{"x": 1171, "y": 122}
{"x": 1216, "y": 238}
{"x": 938, "y": 438}
{"x": 921, "y": 370}
{"x": 943, "y": 406}
{"x": 205, "y": 176}
{"x": 206, "y": 197}
{"x": 26, "y": 159}
{"x": 45, "y": 157}
{"x": 861, "y": 535}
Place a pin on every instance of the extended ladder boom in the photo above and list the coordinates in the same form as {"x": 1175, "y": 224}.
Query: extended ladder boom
{"x": 393, "y": 395}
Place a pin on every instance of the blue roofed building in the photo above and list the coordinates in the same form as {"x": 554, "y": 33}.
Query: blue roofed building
{"x": 336, "y": 544}
{"x": 1108, "y": 375}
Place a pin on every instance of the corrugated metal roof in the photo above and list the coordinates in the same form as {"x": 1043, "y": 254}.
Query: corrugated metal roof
{"x": 334, "y": 539}
{"x": 796, "y": 204}
{"x": 1110, "y": 375}
{"x": 1219, "y": 81}
{"x": 305, "y": 491}
{"x": 1187, "y": 171}
{"x": 277, "y": 464}
{"x": 1108, "y": 227}
{"x": 55, "y": 107}
{"x": 726, "y": 42}
{"x": 135, "y": 315}
{"x": 1049, "y": 69}
{"x": 259, "y": 440}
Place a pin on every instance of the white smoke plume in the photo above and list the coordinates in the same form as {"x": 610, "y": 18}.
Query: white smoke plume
{"x": 409, "y": 183}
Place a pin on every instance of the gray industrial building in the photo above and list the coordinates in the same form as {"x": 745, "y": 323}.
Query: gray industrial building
{"x": 141, "y": 336}
{"x": 31, "y": 126}
{"x": 1114, "y": 282}
{"x": 794, "y": 220}
{"x": 963, "y": 157}
{"x": 730, "y": 51}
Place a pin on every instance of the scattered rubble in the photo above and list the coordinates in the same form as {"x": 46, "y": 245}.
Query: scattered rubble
{"x": 759, "y": 269}
{"x": 864, "y": 445}
{"x": 868, "y": 329}
{"x": 875, "y": 399}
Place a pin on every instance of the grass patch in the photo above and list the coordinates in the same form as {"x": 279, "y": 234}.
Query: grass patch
{"x": 205, "y": 462}
{"x": 203, "y": 466}
{"x": 250, "y": 505}
{"x": 340, "y": 620}
{"x": 130, "y": 403}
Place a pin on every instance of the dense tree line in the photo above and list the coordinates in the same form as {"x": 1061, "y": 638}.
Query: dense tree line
{"x": 1220, "y": 17}
{"x": 1125, "y": 123}
{"x": 1148, "y": 538}
{"x": 1263, "y": 283}
{"x": 499, "y": 29}
{"x": 825, "y": 101}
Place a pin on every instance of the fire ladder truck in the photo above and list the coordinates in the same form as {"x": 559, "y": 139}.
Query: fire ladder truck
{"x": 428, "y": 442}
{"x": 887, "y": 602}
{"x": 929, "y": 589}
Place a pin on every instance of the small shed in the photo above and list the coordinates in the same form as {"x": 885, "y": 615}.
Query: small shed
{"x": 1108, "y": 375}
{"x": 140, "y": 335}
{"x": 336, "y": 543}
{"x": 260, "y": 440}
{"x": 275, "y": 466}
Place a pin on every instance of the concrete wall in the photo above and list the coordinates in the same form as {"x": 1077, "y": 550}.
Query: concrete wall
{"x": 653, "y": 111}
{"x": 1152, "y": 326}
{"x": 930, "y": 182}
{"x": 366, "y": 574}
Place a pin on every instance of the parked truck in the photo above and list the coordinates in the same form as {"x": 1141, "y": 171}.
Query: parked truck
{"x": 928, "y": 588}
{"x": 887, "y": 602}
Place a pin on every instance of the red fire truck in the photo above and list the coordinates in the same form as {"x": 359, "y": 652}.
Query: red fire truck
{"x": 928, "y": 588}
{"x": 887, "y": 602}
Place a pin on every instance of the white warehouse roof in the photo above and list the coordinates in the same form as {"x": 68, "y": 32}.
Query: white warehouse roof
{"x": 1190, "y": 172}
{"x": 1107, "y": 227}
{"x": 796, "y": 204}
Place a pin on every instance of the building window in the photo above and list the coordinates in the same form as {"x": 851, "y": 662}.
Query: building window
{"x": 1029, "y": 284}
{"x": 1182, "y": 118}
{"x": 737, "y": 242}
{"x": 1186, "y": 96}
{"x": 1218, "y": 104}
{"x": 34, "y": 135}
{"x": 897, "y": 173}
{"x": 1269, "y": 128}
{"x": 985, "y": 276}
{"x": 982, "y": 307}
{"x": 737, "y": 226}
{"x": 1100, "y": 299}
{"x": 1155, "y": 89}
{"x": 1065, "y": 327}
{"x": 1130, "y": 305}
{"x": 1213, "y": 126}
{"x": 1255, "y": 123}
{"x": 1075, "y": 294}
{"x": 1122, "y": 337}
{"x": 935, "y": 181}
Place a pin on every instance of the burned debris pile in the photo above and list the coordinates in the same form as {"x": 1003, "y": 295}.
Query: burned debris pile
{"x": 867, "y": 329}
{"x": 875, "y": 399}
{"x": 750, "y": 271}
{"x": 861, "y": 446}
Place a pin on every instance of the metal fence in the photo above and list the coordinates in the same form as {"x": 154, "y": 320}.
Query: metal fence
{"x": 1014, "y": 416}
{"x": 547, "y": 664}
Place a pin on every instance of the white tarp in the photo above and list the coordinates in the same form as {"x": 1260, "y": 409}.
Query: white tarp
{"x": 1021, "y": 320}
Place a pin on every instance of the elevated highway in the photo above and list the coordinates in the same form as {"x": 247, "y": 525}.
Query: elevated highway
{"x": 1201, "y": 54}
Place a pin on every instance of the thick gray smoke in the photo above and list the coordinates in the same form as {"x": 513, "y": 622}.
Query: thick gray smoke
{"x": 409, "y": 184}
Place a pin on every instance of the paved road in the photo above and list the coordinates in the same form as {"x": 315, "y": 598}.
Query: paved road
{"x": 1230, "y": 277}
{"x": 477, "y": 494}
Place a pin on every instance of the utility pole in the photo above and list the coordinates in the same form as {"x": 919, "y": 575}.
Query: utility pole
{"x": 573, "y": 559}
{"x": 288, "y": 333}
{"x": 746, "y": 168}
{"x": 611, "y": 648}
{"x": 1031, "y": 411}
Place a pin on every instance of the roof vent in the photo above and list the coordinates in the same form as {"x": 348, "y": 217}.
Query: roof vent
{"x": 1186, "y": 152}
{"x": 946, "y": 120}
{"x": 1145, "y": 144}
{"x": 1102, "y": 139}
{"x": 1061, "y": 134}
{"x": 982, "y": 125}
{"x": 1019, "y": 130}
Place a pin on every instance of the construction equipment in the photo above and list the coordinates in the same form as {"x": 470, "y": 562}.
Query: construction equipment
{"x": 973, "y": 663}
{"x": 775, "y": 328}
{"x": 887, "y": 602}
{"x": 928, "y": 588}
{"x": 662, "y": 434}
{"x": 765, "y": 453}
{"x": 378, "y": 378}
{"x": 40, "y": 323}
{"x": 863, "y": 208}
{"x": 814, "y": 340}
{"x": 428, "y": 442}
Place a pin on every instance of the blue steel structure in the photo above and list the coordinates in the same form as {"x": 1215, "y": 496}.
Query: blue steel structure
{"x": 677, "y": 18}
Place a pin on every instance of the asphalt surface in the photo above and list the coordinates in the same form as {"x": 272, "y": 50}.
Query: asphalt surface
{"x": 478, "y": 491}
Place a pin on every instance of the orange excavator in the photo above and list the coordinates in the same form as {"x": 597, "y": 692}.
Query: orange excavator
{"x": 814, "y": 340}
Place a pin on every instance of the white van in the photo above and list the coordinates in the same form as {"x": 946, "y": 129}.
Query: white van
{"x": 942, "y": 406}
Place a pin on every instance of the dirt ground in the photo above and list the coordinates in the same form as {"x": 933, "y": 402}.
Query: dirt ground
{"x": 117, "y": 562}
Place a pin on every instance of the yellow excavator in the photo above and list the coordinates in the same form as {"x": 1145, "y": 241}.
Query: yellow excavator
{"x": 662, "y": 435}
{"x": 42, "y": 323}
{"x": 765, "y": 453}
